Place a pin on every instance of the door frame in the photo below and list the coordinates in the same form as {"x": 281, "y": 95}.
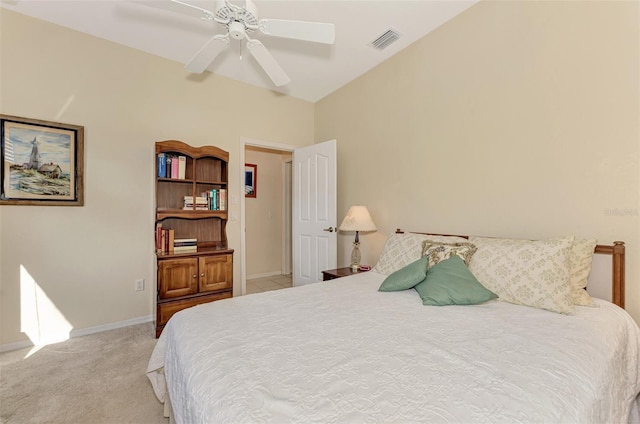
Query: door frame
{"x": 287, "y": 199}
{"x": 244, "y": 142}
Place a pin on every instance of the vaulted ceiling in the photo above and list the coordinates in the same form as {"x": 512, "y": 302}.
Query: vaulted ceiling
{"x": 316, "y": 70}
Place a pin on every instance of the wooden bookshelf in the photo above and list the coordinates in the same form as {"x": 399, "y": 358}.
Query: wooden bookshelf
{"x": 186, "y": 279}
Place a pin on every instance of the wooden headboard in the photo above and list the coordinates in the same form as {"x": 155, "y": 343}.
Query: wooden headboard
{"x": 616, "y": 251}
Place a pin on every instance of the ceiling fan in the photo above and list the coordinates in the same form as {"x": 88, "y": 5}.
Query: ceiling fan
{"x": 239, "y": 22}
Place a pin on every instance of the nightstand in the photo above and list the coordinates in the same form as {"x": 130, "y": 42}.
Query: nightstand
{"x": 332, "y": 274}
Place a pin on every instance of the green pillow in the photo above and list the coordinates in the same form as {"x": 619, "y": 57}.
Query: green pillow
{"x": 406, "y": 277}
{"x": 449, "y": 282}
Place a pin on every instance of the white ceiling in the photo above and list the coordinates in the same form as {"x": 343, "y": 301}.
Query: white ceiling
{"x": 315, "y": 70}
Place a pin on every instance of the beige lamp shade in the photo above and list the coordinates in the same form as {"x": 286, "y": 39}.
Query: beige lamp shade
{"x": 358, "y": 219}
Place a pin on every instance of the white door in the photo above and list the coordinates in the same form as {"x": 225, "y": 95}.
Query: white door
{"x": 314, "y": 212}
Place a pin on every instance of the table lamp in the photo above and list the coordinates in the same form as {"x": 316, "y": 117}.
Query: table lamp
{"x": 357, "y": 219}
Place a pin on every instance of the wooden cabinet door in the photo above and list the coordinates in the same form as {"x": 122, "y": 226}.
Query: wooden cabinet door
{"x": 177, "y": 277}
{"x": 216, "y": 272}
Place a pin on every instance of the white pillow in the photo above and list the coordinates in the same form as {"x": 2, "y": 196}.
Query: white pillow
{"x": 402, "y": 249}
{"x": 532, "y": 273}
{"x": 581, "y": 257}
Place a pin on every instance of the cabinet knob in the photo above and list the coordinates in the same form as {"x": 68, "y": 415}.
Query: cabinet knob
{"x": 195, "y": 275}
{"x": 202, "y": 275}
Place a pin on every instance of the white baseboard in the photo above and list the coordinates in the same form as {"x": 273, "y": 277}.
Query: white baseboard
{"x": 264, "y": 274}
{"x": 112, "y": 326}
{"x": 82, "y": 332}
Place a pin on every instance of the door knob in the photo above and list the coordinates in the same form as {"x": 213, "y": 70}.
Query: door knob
{"x": 330, "y": 229}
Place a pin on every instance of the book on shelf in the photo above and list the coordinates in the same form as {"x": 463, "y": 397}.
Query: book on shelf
{"x": 167, "y": 169}
{"x": 167, "y": 243}
{"x": 205, "y": 194}
{"x": 170, "y": 240}
{"x": 223, "y": 199}
{"x": 159, "y": 244}
{"x": 164, "y": 239}
{"x": 162, "y": 165}
{"x": 216, "y": 199}
{"x": 185, "y": 245}
{"x": 185, "y": 242}
{"x": 182, "y": 166}
{"x": 185, "y": 249}
{"x": 213, "y": 200}
{"x": 199, "y": 199}
{"x": 174, "y": 167}
{"x": 201, "y": 203}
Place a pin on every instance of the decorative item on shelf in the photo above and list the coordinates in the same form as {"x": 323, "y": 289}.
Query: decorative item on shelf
{"x": 357, "y": 219}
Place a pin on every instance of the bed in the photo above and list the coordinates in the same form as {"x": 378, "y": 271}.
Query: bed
{"x": 344, "y": 351}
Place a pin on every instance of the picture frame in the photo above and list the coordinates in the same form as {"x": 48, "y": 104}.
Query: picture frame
{"x": 250, "y": 180}
{"x": 41, "y": 162}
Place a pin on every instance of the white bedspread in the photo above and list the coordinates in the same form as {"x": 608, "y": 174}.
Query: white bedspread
{"x": 342, "y": 352}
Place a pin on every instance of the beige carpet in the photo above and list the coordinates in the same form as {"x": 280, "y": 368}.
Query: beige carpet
{"x": 98, "y": 378}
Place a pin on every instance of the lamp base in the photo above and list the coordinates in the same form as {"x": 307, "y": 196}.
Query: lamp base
{"x": 355, "y": 255}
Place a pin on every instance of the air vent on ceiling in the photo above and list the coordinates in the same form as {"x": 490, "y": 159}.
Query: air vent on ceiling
{"x": 385, "y": 39}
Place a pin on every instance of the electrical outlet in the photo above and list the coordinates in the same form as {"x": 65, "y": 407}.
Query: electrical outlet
{"x": 139, "y": 285}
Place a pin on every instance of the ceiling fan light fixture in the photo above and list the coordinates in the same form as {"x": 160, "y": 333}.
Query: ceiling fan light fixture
{"x": 237, "y": 30}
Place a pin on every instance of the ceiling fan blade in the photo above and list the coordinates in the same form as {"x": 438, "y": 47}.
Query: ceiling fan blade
{"x": 179, "y": 7}
{"x": 268, "y": 63}
{"x": 199, "y": 12}
{"x": 300, "y": 30}
{"x": 207, "y": 54}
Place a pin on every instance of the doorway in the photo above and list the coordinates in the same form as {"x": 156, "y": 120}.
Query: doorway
{"x": 266, "y": 243}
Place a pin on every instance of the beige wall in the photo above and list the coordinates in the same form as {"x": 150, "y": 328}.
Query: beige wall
{"x": 516, "y": 119}
{"x": 264, "y": 215}
{"x": 85, "y": 259}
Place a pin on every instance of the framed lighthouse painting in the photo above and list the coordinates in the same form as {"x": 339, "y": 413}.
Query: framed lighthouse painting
{"x": 41, "y": 163}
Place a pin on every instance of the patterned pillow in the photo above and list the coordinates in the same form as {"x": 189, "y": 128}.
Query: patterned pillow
{"x": 580, "y": 259}
{"x": 440, "y": 251}
{"x": 402, "y": 249}
{"x": 532, "y": 273}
